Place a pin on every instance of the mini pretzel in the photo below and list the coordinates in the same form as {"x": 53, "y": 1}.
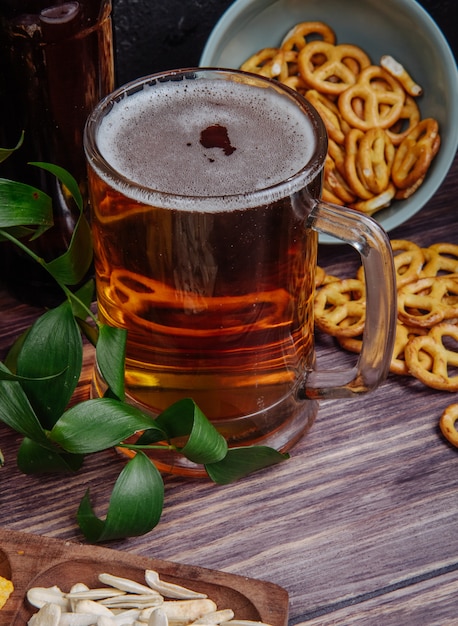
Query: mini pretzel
{"x": 327, "y": 195}
{"x": 335, "y": 183}
{"x": 437, "y": 374}
{"x": 375, "y": 158}
{"x": 297, "y": 83}
{"x": 440, "y": 258}
{"x": 408, "y": 259}
{"x": 336, "y": 126}
{"x": 415, "y": 153}
{"x": 374, "y": 113}
{"x": 428, "y": 301}
{"x": 337, "y": 153}
{"x": 320, "y": 276}
{"x": 374, "y": 204}
{"x": 340, "y": 308}
{"x": 408, "y": 119}
{"x": 403, "y": 335}
{"x": 336, "y": 72}
{"x": 355, "y": 149}
{"x": 323, "y": 278}
{"x": 281, "y": 63}
{"x": 398, "y": 71}
{"x": 352, "y": 142}
{"x": 447, "y": 424}
{"x": 296, "y": 38}
{"x": 260, "y": 62}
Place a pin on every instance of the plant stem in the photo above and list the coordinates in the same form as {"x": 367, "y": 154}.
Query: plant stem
{"x": 132, "y": 446}
{"x": 70, "y": 295}
{"x": 23, "y": 247}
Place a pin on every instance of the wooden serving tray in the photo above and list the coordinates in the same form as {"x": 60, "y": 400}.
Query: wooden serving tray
{"x": 32, "y": 560}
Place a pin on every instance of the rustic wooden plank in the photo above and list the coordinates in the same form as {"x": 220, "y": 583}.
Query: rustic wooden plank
{"x": 427, "y": 602}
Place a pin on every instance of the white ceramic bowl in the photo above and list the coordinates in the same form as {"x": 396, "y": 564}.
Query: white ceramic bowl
{"x": 401, "y": 28}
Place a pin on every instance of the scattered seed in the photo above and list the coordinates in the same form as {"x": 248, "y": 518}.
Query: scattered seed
{"x": 215, "y": 618}
{"x": 125, "y": 584}
{"x": 158, "y": 618}
{"x": 188, "y": 609}
{"x": 95, "y": 594}
{"x": 48, "y": 615}
{"x": 125, "y": 602}
{"x": 170, "y": 590}
{"x": 91, "y": 608}
{"x": 77, "y": 619}
{"x": 39, "y": 596}
{"x": 105, "y": 621}
{"x": 131, "y": 600}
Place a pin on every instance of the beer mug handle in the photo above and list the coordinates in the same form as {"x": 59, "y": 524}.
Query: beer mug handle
{"x": 372, "y": 243}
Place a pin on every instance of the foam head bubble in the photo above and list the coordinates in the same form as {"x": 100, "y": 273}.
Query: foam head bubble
{"x": 206, "y": 138}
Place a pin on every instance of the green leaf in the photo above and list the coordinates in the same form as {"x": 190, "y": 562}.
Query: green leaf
{"x": 98, "y": 424}
{"x": 52, "y": 345}
{"x": 240, "y": 462}
{"x": 17, "y": 412}
{"x": 10, "y": 376}
{"x": 35, "y": 459}
{"x": 90, "y": 332}
{"x": 135, "y": 505}
{"x": 82, "y": 299}
{"x": 6, "y": 152}
{"x": 184, "y": 419}
{"x": 71, "y": 267}
{"x": 18, "y": 232}
{"x": 23, "y": 205}
{"x": 13, "y": 353}
{"x": 65, "y": 178}
{"x": 111, "y": 352}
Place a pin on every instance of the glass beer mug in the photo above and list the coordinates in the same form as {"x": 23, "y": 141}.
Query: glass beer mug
{"x": 205, "y": 192}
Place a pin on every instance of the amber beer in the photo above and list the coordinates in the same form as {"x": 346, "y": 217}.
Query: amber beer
{"x": 201, "y": 248}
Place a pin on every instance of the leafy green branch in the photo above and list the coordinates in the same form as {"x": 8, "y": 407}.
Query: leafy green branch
{"x": 42, "y": 369}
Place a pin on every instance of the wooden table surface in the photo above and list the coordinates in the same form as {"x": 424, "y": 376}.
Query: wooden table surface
{"x": 359, "y": 526}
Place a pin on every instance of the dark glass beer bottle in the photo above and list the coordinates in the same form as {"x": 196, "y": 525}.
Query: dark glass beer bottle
{"x": 56, "y": 63}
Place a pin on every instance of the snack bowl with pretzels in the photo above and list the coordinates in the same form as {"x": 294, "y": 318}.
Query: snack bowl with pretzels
{"x": 381, "y": 75}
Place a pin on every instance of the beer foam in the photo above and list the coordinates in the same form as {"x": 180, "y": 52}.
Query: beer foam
{"x": 153, "y": 138}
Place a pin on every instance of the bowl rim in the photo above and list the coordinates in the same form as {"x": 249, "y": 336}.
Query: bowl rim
{"x": 246, "y": 10}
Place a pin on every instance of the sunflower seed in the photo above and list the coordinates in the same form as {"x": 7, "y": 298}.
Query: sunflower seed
{"x": 133, "y": 600}
{"x": 170, "y": 590}
{"x": 77, "y": 619}
{"x": 94, "y": 594}
{"x": 39, "y": 596}
{"x": 48, "y": 615}
{"x": 215, "y": 618}
{"x": 76, "y": 588}
{"x": 91, "y": 608}
{"x": 125, "y": 584}
{"x": 105, "y": 621}
{"x": 188, "y": 609}
{"x": 158, "y": 618}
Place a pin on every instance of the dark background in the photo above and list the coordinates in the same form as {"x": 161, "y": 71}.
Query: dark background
{"x": 154, "y": 35}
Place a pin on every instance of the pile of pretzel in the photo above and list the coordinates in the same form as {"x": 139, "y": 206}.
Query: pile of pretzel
{"x": 426, "y": 343}
{"x": 380, "y": 148}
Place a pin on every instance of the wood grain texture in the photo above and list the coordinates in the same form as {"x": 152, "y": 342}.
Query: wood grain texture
{"x": 359, "y": 526}
{"x": 34, "y": 561}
